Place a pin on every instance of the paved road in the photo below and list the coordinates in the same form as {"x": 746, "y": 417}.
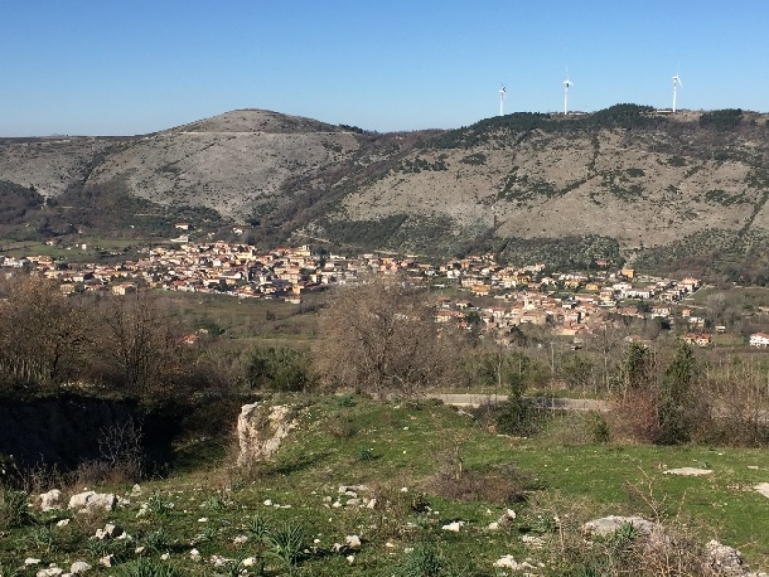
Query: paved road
{"x": 475, "y": 400}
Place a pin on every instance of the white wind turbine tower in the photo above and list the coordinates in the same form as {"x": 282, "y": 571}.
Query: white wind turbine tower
{"x": 676, "y": 83}
{"x": 502, "y": 92}
{"x": 566, "y": 85}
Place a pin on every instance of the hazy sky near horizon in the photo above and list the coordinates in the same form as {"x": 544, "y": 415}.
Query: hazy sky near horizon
{"x": 104, "y": 67}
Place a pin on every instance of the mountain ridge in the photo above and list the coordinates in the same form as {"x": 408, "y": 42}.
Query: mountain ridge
{"x": 636, "y": 177}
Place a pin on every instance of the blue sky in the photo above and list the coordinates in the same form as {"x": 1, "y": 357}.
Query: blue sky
{"x": 102, "y": 67}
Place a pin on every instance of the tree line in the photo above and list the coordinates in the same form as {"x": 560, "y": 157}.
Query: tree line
{"x": 380, "y": 338}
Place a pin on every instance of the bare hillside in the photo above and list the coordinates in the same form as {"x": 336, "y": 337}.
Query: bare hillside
{"x": 625, "y": 180}
{"x": 228, "y": 163}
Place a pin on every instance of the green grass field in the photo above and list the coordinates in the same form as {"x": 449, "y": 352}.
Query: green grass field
{"x": 206, "y": 503}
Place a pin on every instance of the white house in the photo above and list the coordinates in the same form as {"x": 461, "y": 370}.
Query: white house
{"x": 759, "y": 340}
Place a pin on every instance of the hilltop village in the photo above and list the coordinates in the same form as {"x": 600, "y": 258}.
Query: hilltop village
{"x": 478, "y": 290}
{"x": 522, "y": 295}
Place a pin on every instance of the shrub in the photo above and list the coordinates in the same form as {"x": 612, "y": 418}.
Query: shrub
{"x": 501, "y": 485}
{"x": 280, "y": 369}
{"x": 519, "y": 416}
{"x": 13, "y": 509}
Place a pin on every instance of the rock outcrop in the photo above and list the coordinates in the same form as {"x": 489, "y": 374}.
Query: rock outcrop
{"x": 261, "y": 430}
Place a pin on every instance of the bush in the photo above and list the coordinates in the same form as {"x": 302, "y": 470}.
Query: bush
{"x": 280, "y": 369}
{"x": 13, "y": 509}
{"x": 501, "y": 485}
{"x": 519, "y": 416}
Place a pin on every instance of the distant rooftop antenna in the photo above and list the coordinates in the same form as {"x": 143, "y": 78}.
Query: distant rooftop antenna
{"x": 566, "y": 85}
{"x": 676, "y": 83}
{"x": 502, "y": 93}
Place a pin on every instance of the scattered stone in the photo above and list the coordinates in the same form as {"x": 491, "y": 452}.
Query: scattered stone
{"x": 219, "y": 561}
{"x": 50, "y": 572}
{"x": 195, "y": 555}
{"x": 350, "y": 559}
{"x": 31, "y": 561}
{"x": 763, "y": 489}
{"x": 353, "y": 503}
{"x": 91, "y": 500}
{"x": 336, "y": 505}
{"x": 268, "y": 502}
{"x": 165, "y": 556}
{"x": 493, "y": 526}
{"x": 454, "y": 526}
{"x": 352, "y": 541}
{"x": 352, "y": 490}
{"x": 79, "y": 567}
{"x": 404, "y": 489}
{"x": 139, "y": 550}
{"x": 371, "y": 504}
{"x": 390, "y": 545}
{"x": 261, "y": 430}
{"x": 753, "y": 467}
{"x": 48, "y": 501}
{"x": 505, "y": 519}
{"x": 689, "y": 472}
{"x": 607, "y": 526}
{"x": 136, "y": 491}
{"x": 107, "y": 561}
{"x": 62, "y": 523}
{"x": 110, "y": 531}
{"x": 203, "y": 520}
{"x": 533, "y": 542}
{"x": 240, "y": 539}
{"x": 509, "y": 562}
{"x": 143, "y": 510}
{"x": 248, "y": 562}
{"x": 724, "y": 560}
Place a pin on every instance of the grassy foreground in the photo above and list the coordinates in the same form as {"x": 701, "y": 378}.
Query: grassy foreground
{"x": 426, "y": 465}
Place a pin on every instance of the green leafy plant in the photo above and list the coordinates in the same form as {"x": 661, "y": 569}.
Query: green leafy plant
{"x": 159, "y": 505}
{"x": 43, "y": 539}
{"x": 426, "y": 560}
{"x": 287, "y": 544}
{"x": 145, "y": 567}
{"x": 13, "y": 509}
{"x": 216, "y": 502}
{"x": 365, "y": 454}
{"x": 157, "y": 540}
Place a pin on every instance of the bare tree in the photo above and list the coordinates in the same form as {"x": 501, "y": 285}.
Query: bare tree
{"x": 144, "y": 342}
{"x": 382, "y": 337}
{"x": 43, "y": 335}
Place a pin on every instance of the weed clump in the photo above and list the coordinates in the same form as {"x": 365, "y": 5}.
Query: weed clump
{"x": 426, "y": 560}
{"x": 13, "y": 509}
{"x": 144, "y": 567}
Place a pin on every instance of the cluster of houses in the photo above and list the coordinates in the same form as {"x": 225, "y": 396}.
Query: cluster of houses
{"x": 487, "y": 295}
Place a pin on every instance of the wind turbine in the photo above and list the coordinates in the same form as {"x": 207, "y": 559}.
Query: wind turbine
{"x": 502, "y": 92}
{"x": 566, "y": 85}
{"x": 676, "y": 83}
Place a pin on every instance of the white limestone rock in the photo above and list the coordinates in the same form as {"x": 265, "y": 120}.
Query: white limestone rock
{"x": 48, "y": 501}
{"x": 261, "y": 430}
{"x": 92, "y": 501}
